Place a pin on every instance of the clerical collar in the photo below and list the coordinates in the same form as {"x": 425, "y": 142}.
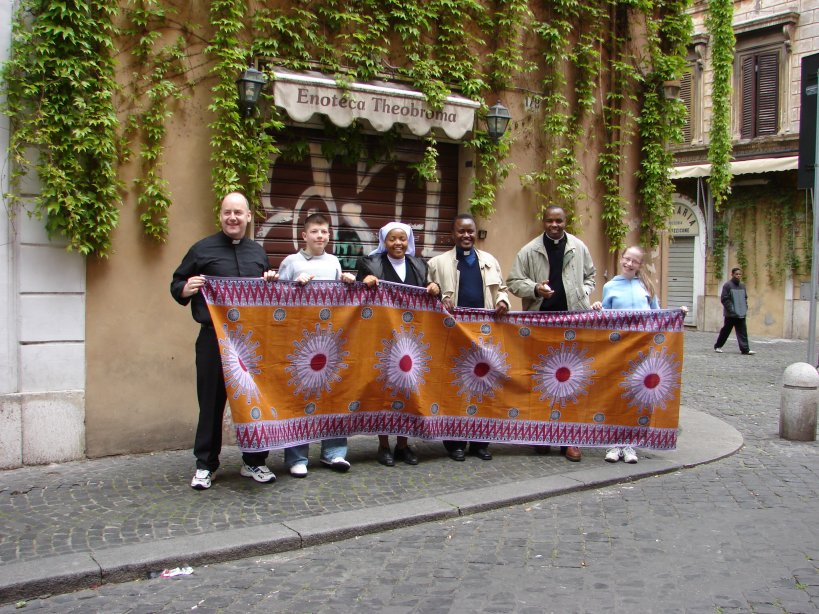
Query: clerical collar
{"x": 231, "y": 239}
{"x": 554, "y": 241}
{"x": 465, "y": 254}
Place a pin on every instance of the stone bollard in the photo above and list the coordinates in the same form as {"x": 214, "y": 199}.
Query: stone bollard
{"x": 797, "y": 411}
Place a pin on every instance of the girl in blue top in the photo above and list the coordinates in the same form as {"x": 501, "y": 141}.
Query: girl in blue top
{"x": 629, "y": 290}
{"x": 633, "y": 291}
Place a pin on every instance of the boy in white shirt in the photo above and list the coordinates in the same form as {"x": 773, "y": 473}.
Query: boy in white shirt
{"x": 309, "y": 263}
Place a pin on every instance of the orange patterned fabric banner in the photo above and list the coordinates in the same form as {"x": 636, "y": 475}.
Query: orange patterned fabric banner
{"x": 305, "y": 363}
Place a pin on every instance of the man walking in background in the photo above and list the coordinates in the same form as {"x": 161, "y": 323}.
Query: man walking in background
{"x": 734, "y": 309}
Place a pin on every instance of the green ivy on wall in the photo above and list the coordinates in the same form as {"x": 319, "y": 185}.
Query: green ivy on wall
{"x": 156, "y": 83}
{"x": 241, "y": 148}
{"x": 661, "y": 120}
{"x": 619, "y": 124}
{"x": 491, "y": 171}
{"x": 60, "y": 84}
{"x": 738, "y": 239}
{"x": 558, "y": 180}
{"x": 737, "y": 225}
{"x": 720, "y": 244}
{"x": 719, "y": 22}
{"x": 59, "y": 87}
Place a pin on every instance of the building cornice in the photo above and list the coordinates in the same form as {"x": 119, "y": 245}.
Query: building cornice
{"x": 763, "y": 147}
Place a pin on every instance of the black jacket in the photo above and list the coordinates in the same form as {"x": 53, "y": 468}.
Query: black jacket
{"x": 734, "y": 299}
{"x": 219, "y": 256}
{"x": 374, "y": 265}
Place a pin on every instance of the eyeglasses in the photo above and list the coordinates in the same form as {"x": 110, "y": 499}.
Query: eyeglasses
{"x": 632, "y": 260}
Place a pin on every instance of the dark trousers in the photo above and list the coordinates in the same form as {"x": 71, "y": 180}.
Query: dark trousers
{"x": 742, "y": 334}
{"x": 212, "y": 396}
{"x": 461, "y": 445}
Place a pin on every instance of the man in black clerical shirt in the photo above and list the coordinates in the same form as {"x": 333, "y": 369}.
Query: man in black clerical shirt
{"x": 554, "y": 272}
{"x": 228, "y": 253}
{"x": 468, "y": 277}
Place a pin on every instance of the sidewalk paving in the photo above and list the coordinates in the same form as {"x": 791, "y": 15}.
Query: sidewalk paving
{"x": 80, "y": 524}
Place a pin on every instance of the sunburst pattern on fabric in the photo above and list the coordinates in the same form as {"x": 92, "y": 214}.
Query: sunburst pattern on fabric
{"x": 564, "y": 374}
{"x": 240, "y": 363}
{"x": 403, "y": 362}
{"x": 480, "y": 369}
{"x": 651, "y": 380}
{"x": 316, "y": 361}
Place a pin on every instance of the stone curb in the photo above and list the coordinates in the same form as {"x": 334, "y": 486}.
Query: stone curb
{"x": 703, "y": 439}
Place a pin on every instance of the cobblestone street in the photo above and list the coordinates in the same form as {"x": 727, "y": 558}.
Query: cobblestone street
{"x": 737, "y": 535}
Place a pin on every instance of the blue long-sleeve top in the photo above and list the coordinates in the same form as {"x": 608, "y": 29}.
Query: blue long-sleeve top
{"x": 624, "y": 293}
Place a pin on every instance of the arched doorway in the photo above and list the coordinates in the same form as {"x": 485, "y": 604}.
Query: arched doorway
{"x": 686, "y": 257}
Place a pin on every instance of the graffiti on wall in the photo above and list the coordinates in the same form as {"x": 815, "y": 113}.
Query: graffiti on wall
{"x": 358, "y": 199}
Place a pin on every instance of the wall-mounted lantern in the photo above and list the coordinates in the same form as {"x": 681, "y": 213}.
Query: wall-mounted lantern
{"x": 497, "y": 119}
{"x": 250, "y": 85}
{"x": 671, "y": 89}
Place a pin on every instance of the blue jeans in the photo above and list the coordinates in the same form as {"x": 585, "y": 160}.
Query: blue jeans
{"x": 330, "y": 449}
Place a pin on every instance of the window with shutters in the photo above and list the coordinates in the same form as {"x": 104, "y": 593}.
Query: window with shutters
{"x": 759, "y": 93}
{"x": 692, "y": 89}
{"x": 687, "y": 96}
{"x": 762, "y": 60}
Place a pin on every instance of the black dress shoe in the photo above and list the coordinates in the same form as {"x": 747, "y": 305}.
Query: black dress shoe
{"x": 481, "y": 453}
{"x": 385, "y": 457}
{"x": 543, "y": 449}
{"x": 406, "y": 455}
{"x": 457, "y": 454}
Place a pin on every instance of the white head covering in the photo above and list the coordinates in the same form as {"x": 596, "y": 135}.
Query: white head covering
{"x": 385, "y": 230}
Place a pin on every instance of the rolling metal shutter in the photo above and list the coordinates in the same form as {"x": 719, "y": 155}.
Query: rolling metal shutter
{"x": 681, "y": 275}
{"x": 358, "y": 197}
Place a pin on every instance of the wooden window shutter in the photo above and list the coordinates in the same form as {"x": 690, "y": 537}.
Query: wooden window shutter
{"x": 767, "y": 81}
{"x": 748, "y": 70}
{"x": 686, "y": 85}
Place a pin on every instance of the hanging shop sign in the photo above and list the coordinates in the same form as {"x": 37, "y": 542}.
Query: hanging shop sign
{"x": 683, "y": 222}
{"x": 304, "y": 95}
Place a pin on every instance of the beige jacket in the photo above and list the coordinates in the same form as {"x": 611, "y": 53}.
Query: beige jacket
{"x": 443, "y": 270}
{"x": 532, "y": 267}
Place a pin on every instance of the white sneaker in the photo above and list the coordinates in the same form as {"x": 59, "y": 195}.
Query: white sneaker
{"x": 201, "y": 479}
{"x": 259, "y": 473}
{"x": 718, "y": 350}
{"x": 299, "y": 471}
{"x": 612, "y": 455}
{"x": 629, "y": 455}
{"x": 337, "y": 463}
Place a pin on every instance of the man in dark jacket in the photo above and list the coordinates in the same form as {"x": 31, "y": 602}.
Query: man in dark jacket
{"x": 734, "y": 309}
{"x": 228, "y": 253}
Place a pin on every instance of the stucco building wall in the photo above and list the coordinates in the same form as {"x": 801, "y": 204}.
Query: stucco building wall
{"x": 101, "y": 358}
{"x": 776, "y": 308}
{"x": 42, "y": 327}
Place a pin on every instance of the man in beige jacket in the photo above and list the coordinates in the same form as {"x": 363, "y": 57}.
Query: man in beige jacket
{"x": 554, "y": 272}
{"x": 468, "y": 277}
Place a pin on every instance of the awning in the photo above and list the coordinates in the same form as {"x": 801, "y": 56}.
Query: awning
{"x": 303, "y": 95}
{"x": 739, "y": 167}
